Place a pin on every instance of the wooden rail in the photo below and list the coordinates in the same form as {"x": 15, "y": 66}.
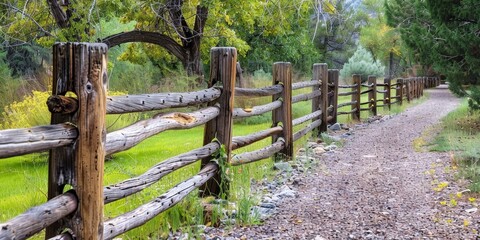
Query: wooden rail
{"x": 78, "y": 142}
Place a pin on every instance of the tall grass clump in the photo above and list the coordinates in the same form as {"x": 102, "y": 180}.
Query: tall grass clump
{"x": 460, "y": 136}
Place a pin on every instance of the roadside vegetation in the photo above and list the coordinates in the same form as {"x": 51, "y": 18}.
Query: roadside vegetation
{"x": 460, "y": 136}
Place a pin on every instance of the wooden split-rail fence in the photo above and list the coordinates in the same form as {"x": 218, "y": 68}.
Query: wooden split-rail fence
{"x": 78, "y": 142}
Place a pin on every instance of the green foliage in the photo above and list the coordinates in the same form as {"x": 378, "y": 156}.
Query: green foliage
{"x": 474, "y": 100}
{"x": 442, "y": 34}
{"x": 381, "y": 40}
{"x": 335, "y": 33}
{"x": 32, "y": 111}
{"x": 460, "y": 135}
{"x": 362, "y": 63}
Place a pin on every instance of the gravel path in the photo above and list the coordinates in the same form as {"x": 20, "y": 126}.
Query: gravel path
{"x": 378, "y": 187}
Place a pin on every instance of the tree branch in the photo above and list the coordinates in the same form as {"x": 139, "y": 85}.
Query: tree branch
{"x": 29, "y": 17}
{"x": 148, "y": 37}
{"x": 57, "y": 12}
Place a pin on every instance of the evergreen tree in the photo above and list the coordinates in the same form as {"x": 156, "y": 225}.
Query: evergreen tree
{"x": 362, "y": 63}
{"x": 442, "y": 34}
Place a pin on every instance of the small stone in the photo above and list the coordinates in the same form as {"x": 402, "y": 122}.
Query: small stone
{"x": 319, "y": 150}
{"x": 471, "y": 210}
{"x": 286, "y": 192}
{"x": 312, "y": 144}
{"x": 282, "y": 166}
{"x": 319, "y": 238}
{"x": 301, "y": 150}
{"x": 267, "y": 205}
{"x": 335, "y": 127}
{"x": 330, "y": 147}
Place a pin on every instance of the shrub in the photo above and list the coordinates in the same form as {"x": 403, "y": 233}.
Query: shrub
{"x": 362, "y": 63}
{"x": 32, "y": 111}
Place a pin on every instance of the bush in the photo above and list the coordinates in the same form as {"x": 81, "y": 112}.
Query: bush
{"x": 32, "y": 111}
{"x": 362, "y": 63}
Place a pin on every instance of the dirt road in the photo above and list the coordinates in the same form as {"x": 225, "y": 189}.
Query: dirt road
{"x": 378, "y": 187}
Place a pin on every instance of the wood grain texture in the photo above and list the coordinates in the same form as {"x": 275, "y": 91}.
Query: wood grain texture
{"x": 61, "y": 169}
{"x": 37, "y": 218}
{"x": 282, "y": 74}
{"x": 306, "y": 96}
{"x": 333, "y": 76}
{"x": 348, "y": 86}
{"x": 387, "y": 96}
{"x": 62, "y": 104}
{"x": 146, "y": 212}
{"x": 15, "y": 142}
{"x": 256, "y": 110}
{"x": 356, "y": 98}
{"x": 372, "y": 96}
{"x": 158, "y": 101}
{"x": 320, "y": 72}
{"x": 242, "y": 141}
{"x": 222, "y": 72}
{"x": 305, "y": 84}
{"x": 90, "y": 73}
{"x": 307, "y": 129}
{"x": 258, "y": 92}
{"x": 307, "y": 117}
{"x": 347, "y": 93}
{"x": 260, "y": 154}
{"x": 133, "y": 185}
{"x": 130, "y": 136}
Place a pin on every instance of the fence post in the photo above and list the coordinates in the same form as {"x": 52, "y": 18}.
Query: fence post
{"x": 357, "y": 80}
{"x": 415, "y": 87}
{"x": 422, "y": 86}
{"x": 408, "y": 89}
{"x": 333, "y": 87}
{"x": 282, "y": 74}
{"x": 372, "y": 95}
{"x": 399, "y": 91}
{"x": 320, "y": 72}
{"x": 387, "y": 95}
{"x": 82, "y": 69}
{"x": 223, "y": 61}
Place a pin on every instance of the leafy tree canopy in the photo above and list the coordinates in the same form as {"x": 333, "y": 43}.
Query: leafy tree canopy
{"x": 443, "y": 34}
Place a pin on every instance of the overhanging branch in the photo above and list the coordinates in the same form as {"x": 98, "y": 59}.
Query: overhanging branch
{"x": 148, "y": 37}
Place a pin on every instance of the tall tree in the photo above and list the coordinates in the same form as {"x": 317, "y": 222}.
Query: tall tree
{"x": 443, "y": 34}
{"x": 381, "y": 40}
{"x": 337, "y": 32}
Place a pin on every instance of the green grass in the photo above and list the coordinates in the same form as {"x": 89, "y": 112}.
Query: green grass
{"x": 460, "y": 135}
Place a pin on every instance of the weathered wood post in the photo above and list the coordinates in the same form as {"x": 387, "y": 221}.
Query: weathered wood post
{"x": 357, "y": 81}
{"x": 372, "y": 95}
{"x": 388, "y": 94}
{"x": 223, "y": 62}
{"x": 333, "y": 75}
{"x": 80, "y": 68}
{"x": 415, "y": 87}
{"x": 422, "y": 86}
{"x": 320, "y": 73}
{"x": 408, "y": 89}
{"x": 399, "y": 91}
{"x": 282, "y": 74}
